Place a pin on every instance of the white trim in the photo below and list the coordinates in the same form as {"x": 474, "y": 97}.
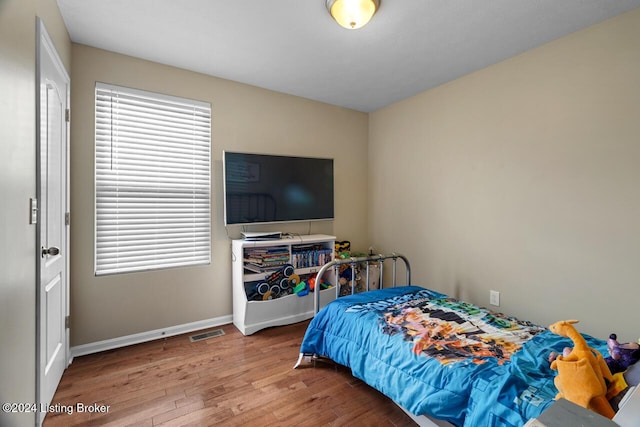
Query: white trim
{"x": 110, "y": 344}
{"x": 45, "y": 46}
{"x": 156, "y": 95}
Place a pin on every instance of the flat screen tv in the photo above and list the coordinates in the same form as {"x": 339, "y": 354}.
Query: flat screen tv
{"x": 262, "y": 188}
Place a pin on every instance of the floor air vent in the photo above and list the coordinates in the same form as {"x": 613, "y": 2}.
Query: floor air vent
{"x": 206, "y": 335}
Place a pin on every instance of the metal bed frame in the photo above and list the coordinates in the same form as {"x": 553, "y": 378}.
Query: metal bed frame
{"x": 353, "y": 262}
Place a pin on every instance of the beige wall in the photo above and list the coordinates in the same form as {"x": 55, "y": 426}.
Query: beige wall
{"x": 245, "y": 118}
{"x": 523, "y": 178}
{"x": 17, "y": 185}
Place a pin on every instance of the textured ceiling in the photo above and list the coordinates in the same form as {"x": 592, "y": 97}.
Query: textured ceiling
{"x": 293, "y": 46}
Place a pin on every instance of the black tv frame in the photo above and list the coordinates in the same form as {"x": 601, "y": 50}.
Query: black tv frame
{"x": 271, "y": 188}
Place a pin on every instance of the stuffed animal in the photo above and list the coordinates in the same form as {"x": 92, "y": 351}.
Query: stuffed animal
{"x": 621, "y": 356}
{"x": 342, "y": 249}
{"x": 582, "y": 374}
{"x": 345, "y": 273}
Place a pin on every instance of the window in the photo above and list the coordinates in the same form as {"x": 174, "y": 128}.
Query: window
{"x": 152, "y": 183}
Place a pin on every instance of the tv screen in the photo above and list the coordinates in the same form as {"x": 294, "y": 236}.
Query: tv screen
{"x": 261, "y": 188}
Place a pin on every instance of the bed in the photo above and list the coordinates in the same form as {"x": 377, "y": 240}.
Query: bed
{"x": 434, "y": 355}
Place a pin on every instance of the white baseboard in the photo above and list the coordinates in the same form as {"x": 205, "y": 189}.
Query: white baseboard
{"x": 110, "y": 344}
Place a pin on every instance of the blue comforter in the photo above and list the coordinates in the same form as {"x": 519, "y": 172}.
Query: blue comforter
{"x": 438, "y": 356}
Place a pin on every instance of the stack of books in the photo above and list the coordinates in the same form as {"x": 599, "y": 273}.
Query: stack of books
{"x": 310, "y": 256}
{"x": 263, "y": 259}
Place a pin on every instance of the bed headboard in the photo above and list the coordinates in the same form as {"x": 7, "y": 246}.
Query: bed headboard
{"x": 368, "y": 262}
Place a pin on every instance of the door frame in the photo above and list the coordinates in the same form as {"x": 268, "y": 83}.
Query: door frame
{"x": 43, "y": 40}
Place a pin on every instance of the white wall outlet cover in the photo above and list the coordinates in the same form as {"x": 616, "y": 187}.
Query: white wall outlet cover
{"x": 494, "y": 298}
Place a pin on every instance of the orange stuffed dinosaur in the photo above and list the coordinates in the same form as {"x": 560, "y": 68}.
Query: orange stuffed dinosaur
{"x": 582, "y": 372}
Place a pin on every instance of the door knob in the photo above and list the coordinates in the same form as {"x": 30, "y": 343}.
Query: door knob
{"x": 50, "y": 251}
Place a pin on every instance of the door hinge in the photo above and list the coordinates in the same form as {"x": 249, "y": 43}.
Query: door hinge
{"x": 67, "y": 218}
{"x": 67, "y": 322}
{"x": 67, "y": 115}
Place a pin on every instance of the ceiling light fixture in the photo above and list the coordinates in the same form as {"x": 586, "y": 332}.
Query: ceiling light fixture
{"x": 352, "y": 14}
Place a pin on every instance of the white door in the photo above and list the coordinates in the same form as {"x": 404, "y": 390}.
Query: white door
{"x": 53, "y": 96}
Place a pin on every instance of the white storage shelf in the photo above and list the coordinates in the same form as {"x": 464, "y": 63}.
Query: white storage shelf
{"x": 250, "y": 316}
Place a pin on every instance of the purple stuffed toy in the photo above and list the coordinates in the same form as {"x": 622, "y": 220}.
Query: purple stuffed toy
{"x": 621, "y": 356}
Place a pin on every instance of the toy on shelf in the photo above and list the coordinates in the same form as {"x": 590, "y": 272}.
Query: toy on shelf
{"x": 342, "y": 249}
{"x": 621, "y": 356}
{"x": 276, "y": 284}
{"x": 582, "y": 374}
{"x": 303, "y": 288}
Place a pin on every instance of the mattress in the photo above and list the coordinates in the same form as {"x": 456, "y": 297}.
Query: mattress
{"x": 438, "y": 356}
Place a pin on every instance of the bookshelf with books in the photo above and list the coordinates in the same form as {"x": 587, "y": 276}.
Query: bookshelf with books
{"x": 264, "y": 275}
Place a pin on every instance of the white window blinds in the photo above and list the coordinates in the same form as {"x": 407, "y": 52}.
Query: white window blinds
{"x": 152, "y": 166}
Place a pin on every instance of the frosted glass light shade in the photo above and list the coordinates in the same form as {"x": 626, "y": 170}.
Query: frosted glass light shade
{"x": 352, "y": 14}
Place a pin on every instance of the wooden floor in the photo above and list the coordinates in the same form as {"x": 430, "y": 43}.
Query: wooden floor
{"x": 230, "y": 380}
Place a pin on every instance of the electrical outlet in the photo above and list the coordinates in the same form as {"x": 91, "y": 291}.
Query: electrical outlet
{"x": 494, "y": 298}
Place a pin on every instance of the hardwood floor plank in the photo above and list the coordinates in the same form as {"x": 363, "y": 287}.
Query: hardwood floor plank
{"x": 178, "y": 412}
{"x": 201, "y": 417}
{"x": 229, "y": 380}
